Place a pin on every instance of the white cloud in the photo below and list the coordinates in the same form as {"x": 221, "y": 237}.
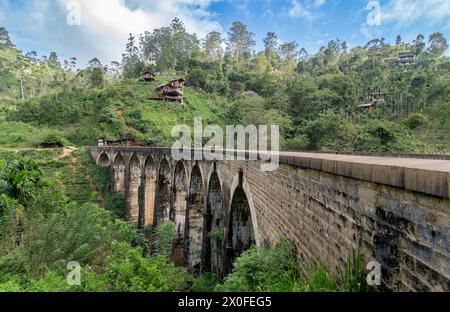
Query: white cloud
{"x": 297, "y": 10}
{"x": 319, "y": 3}
{"x": 410, "y": 17}
{"x": 240, "y": 4}
{"x": 105, "y": 24}
{"x": 410, "y": 11}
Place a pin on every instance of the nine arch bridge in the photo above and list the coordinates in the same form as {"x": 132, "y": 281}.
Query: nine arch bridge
{"x": 395, "y": 208}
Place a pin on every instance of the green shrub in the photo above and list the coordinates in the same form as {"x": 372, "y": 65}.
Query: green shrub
{"x": 54, "y": 137}
{"x": 128, "y": 270}
{"x": 297, "y": 143}
{"x": 415, "y": 120}
{"x": 277, "y": 270}
{"x": 263, "y": 269}
{"x": 162, "y": 240}
{"x": 206, "y": 282}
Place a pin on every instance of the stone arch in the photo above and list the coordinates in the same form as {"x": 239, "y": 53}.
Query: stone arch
{"x": 104, "y": 160}
{"x": 241, "y": 231}
{"x": 162, "y": 211}
{"x": 134, "y": 183}
{"x": 180, "y": 193}
{"x": 214, "y": 226}
{"x": 149, "y": 182}
{"x": 178, "y": 213}
{"x": 118, "y": 174}
{"x": 194, "y": 221}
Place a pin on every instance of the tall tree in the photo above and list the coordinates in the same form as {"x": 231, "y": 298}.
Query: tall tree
{"x": 288, "y": 50}
{"x": 240, "y": 40}
{"x": 419, "y": 44}
{"x": 132, "y": 64}
{"x": 437, "y": 44}
{"x": 95, "y": 63}
{"x": 4, "y": 38}
{"x": 170, "y": 48}
{"x": 270, "y": 44}
{"x": 212, "y": 46}
{"x": 53, "y": 60}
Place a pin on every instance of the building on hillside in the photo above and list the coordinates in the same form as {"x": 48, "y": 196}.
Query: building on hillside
{"x": 120, "y": 142}
{"x": 126, "y": 142}
{"x": 171, "y": 91}
{"x": 406, "y": 58}
{"x": 149, "y": 76}
{"x": 377, "y": 98}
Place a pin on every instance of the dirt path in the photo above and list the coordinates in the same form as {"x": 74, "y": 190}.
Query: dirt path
{"x": 66, "y": 152}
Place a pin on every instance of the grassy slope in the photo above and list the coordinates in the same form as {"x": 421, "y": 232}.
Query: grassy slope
{"x": 76, "y": 173}
{"x": 161, "y": 117}
{"x": 72, "y": 170}
{"x": 119, "y": 110}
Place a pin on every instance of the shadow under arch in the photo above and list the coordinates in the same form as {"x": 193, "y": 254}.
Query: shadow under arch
{"x": 178, "y": 211}
{"x": 241, "y": 228}
{"x": 163, "y": 194}
{"x": 194, "y": 222}
{"x": 118, "y": 174}
{"x": 104, "y": 160}
{"x": 214, "y": 227}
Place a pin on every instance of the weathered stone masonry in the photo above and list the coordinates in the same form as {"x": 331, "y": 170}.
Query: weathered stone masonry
{"x": 398, "y": 208}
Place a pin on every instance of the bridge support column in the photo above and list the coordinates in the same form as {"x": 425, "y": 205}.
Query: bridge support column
{"x": 149, "y": 200}
{"x": 132, "y": 196}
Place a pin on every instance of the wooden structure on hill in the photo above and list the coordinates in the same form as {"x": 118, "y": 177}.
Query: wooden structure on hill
{"x": 378, "y": 97}
{"x": 406, "y": 58}
{"x": 171, "y": 91}
{"x": 149, "y": 76}
{"x": 403, "y": 58}
{"x": 125, "y": 142}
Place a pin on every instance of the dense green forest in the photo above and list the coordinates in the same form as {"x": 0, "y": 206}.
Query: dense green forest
{"x": 314, "y": 98}
{"x": 54, "y": 203}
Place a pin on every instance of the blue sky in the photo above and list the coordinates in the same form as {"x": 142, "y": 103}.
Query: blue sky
{"x": 41, "y": 25}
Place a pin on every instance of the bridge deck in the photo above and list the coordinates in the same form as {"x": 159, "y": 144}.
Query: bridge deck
{"x": 412, "y": 163}
{"x": 430, "y": 176}
{"x": 425, "y": 175}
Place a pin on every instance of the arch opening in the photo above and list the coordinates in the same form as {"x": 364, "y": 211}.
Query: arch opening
{"x": 149, "y": 185}
{"x": 194, "y": 224}
{"x": 215, "y": 224}
{"x": 118, "y": 174}
{"x": 241, "y": 235}
{"x": 178, "y": 212}
{"x": 162, "y": 212}
{"x": 104, "y": 160}
{"x": 134, "y": 183}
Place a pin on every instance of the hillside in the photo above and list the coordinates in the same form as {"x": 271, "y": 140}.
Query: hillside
{"x": 118, "y": 110}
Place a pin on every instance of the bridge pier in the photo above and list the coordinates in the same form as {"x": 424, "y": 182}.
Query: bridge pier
{"x": 133, "y": 185}
{"x": 149, "y": 182}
